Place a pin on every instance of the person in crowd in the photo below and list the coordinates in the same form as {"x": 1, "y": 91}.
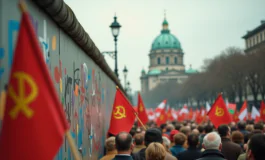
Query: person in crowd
{"x": 249, "y": 128}
{"x": 124, "y": 146}
{"x": 155, "y": 151}
{"x": 256, "y": 147}
{"x": 195, "y": 131}
{"x": 163, "y": 127}
{"x": 238, "y": 138}
{"x": 230, "y": 150}
{"x": 179, "y": 139}
{"x": 192, "y": 152}
{"x": 110, "y": 147}
{"x": 178, "y": 126}
{"x": 185, "y": 130}
{"x": 151, "y": 135}
{"x": 212, "y": 145}
{"x": 241, "y": 126}
{"x": 169, "y": 128}
{"x": 171, "y": 137}
{"x": 206, "y": 129}
{"x": 259, "y": 126}
{"x": 139, "y": 142}
{"x": 166, "y": 143}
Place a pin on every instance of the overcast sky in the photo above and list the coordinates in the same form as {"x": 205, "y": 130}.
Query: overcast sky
{"x": 204, "y": 27}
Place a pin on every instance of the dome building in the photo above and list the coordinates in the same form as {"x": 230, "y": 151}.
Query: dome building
{"x": 166, "y": 61}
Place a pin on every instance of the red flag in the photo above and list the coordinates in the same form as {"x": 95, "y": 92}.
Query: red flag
{"x": 262, "y": 111}
{"x": 169, "y": 115}
{"x": 123, "y": 114}
{"x": 190, "y": 114}
{"x": 162, "y": 118}
{"x": 235, "y": 116}
{"x": 34, "y": 123}
{"x": 141, "y": 111}
{"x": 218, "y": 113}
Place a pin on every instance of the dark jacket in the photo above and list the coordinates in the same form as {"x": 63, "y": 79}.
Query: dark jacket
{"x": 141, "y": 155}
{"x": 190, "y": 154}
{"x": 230, "y": 150}
{"x": 122, "y": 157}
{"x": 211, "y": 154}
{"x": 175, "y": 150}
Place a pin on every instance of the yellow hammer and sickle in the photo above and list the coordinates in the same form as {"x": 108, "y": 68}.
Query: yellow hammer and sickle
{"x": 22, "y": 100}
{"x": 161, "y": 117}
{"x": 263, "y": 111}
{"x": 120, "y": 112}
{"x": 141, "y": 108}
{"x": 219, "y": 111}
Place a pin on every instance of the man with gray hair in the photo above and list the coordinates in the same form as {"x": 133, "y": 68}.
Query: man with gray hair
{"x": 212, "y": 145}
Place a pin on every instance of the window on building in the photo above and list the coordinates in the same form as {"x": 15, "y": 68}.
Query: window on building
{"x": 261, "y": 37}
{"x": 257, "y": 39}
{"x": 158, "y": 60}
{"x": 167, "y": 60}
{"x": 176, "y": 60}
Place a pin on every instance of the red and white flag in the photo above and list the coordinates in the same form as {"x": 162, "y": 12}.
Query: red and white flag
{"x": 243, "y": 112}
{"x": 160, "y": 108}
{"x": 150, "y": 113}
{"x": 255, "y": 113}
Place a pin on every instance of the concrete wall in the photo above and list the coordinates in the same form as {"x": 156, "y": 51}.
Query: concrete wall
{"x": 85, "y": 90}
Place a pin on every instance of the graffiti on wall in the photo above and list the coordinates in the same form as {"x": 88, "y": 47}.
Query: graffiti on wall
{"x": 81, "y": 89}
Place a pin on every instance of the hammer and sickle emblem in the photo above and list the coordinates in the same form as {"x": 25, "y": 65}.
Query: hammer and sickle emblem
{"x": 20, "y": 98}
{"x": 119, "y": 113}
{"x": 161, "y": 117}
{"x": 219, "y": 111}
{"x": 141, "y": 108}
{"x": 263, "y": 112}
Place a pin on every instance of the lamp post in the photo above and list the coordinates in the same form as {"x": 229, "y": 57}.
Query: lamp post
{"x": 115, "y": 29}
{"x": 125, "y": 72}
{"x": 128, "y": 90}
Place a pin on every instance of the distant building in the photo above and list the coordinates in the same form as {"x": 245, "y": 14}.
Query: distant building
{"x": 166, "y": 61}
{"x": 255, "y": 38}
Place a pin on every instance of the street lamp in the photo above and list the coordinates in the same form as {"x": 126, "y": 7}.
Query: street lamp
{"x": 115, "y": 29}
{"x": 125, "y": 72}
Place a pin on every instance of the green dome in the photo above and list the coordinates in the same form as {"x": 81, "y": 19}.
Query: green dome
{"x": 154, "y": 72}
{"x": 166, "y": 40}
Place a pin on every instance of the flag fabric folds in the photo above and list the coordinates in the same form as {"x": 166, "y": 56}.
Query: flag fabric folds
{"x": 34, "y": 123}
{"x": 123, "y": 114}
{"x": 218, "y": 113}
{"x": 141, "y": 111}
{"x": 243, "y": 113}
{"x": 162, "y": 118}
{"x": 262, "y": 111}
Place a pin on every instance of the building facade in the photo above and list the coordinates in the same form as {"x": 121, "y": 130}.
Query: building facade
{"x": 165, "y": 61}
{"x": 255, "y": 38}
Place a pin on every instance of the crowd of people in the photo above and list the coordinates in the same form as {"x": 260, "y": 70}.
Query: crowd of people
{"x": 189, "y": 141}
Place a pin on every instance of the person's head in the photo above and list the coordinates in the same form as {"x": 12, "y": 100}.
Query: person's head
{"x": 256, "y": 147}
{"x": 133, "y": 131}
{"x": 258, "y": 126}
{"x": 195, "y": 131}
{"x": 180, "y": 139}
{"x": 224, "y": 130}
{"x": 249, "y": 127}
{"x": 166, "y": 142}
{"x": 170, "y": 127}
{"x": 208, "y": 128}
{"x": 155, "y": 151}
{"x": 153, "y": 135}
{"x": 178, "y": 126}
{"x": 193, "y": 140}
{"x": 241, "y": 125}
{"x": 212, "y": 141}
{"x": 237, "y": 137}
{"x": 123, "y": 142}
{"x": 200, "y": 128}
{"x": 185, "y": 130}
{"x": 110, "y": 144}
{"x": 139, "y": 139}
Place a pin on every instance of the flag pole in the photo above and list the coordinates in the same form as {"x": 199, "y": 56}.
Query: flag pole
{"x": 133, "y": 110}
{"x": 72, "y": 146}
